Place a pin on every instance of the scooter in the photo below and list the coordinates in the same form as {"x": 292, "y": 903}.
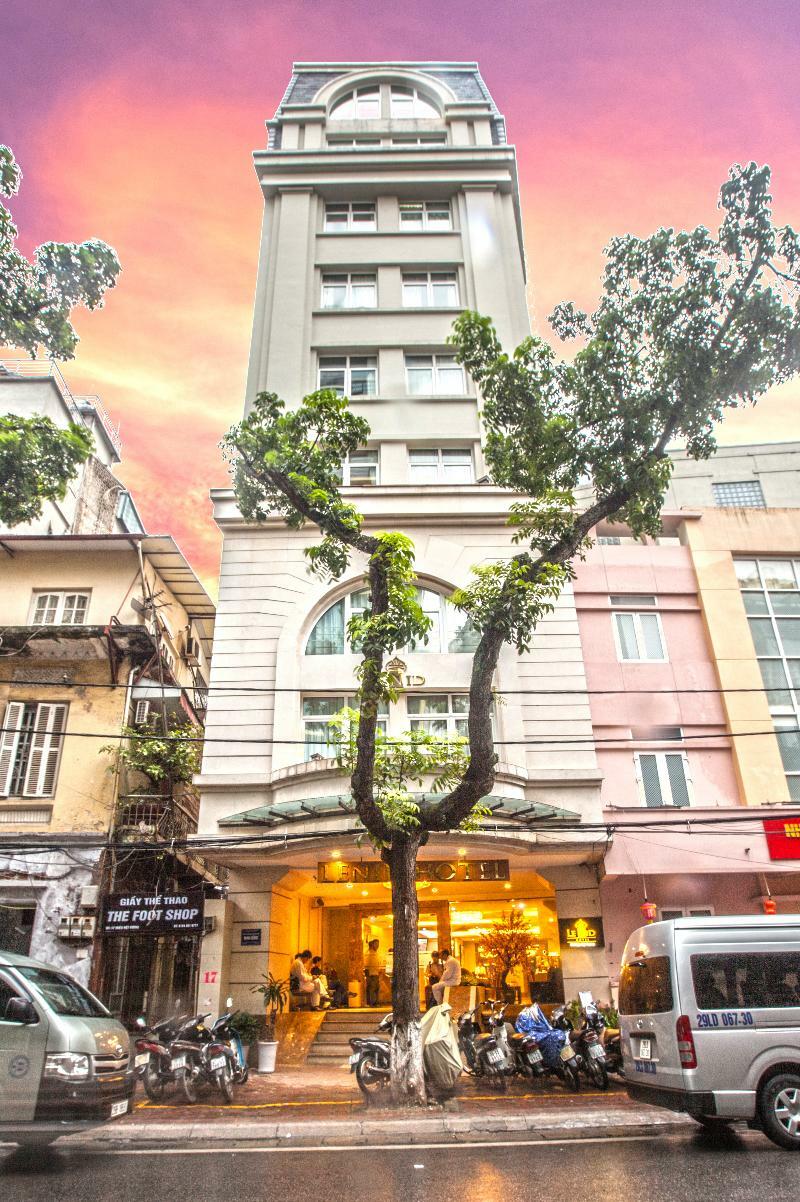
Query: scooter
{"x": 488, "y": 1054}
{"x": 198, "y": 1057}
{"x": 370, "y": 1059}
{"x": 153, "y": 1059}
{"x": 223, "y": 1032}
{"x": 588, "y": 1042}
{"x": 553, "y": 1042}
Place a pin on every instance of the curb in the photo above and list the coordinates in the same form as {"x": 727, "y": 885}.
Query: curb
{"x": 545, "y": 1126}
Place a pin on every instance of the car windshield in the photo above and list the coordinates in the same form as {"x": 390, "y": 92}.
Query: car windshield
{"x": 62, "y": 994}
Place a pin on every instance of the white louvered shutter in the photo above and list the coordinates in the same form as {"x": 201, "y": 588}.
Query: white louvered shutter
{"x": 45, "y": 751}
{"x": 9, "y": 741}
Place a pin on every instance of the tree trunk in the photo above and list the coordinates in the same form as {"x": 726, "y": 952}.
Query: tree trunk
{"x": 408, "y": 1081}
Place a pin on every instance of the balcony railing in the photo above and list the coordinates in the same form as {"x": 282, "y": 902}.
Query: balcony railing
{"x": 48, "y": 369}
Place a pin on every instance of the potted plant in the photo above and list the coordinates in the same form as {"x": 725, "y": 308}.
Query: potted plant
{"x": 248, "y": 1027}
{"x": 274, "y": 993}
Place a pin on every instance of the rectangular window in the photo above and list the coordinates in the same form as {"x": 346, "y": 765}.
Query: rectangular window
{"x": 355, "y": 217}
{"x": 319, "y": 736}
{"x": 30, "y": 748}
{"x": 743, "y": 494}
{"x": 639, "y": 637}
{"x": 60, "y": 609}
{"x": 426, "y": 215}
{"x": 353, "y": 291}
{"x": 663, "y": 778}
{"x": 645, "y": 986}
{"x": 443, "y": 715}
{"x": 746, "y": 980}
{"x": 440, "y": 465}
{"x": 409, "y": 104}
{"x": 420, "y": 140}
{"x": 360, "y": 468}
{"x": 349, "y": 375}
{"x": 430, "y": 290}
{"x": 349, "y": 143}
{"x": 434, "y": 375}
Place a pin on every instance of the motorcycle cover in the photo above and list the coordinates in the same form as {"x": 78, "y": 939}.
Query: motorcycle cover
{"x": 533, "y": 1021}
{"x": 440, "y": 1051}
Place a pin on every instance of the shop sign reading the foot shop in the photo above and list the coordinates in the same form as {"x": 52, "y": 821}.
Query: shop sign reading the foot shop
{"x": 339, "y": 872}
{"x": 162, "y": 914}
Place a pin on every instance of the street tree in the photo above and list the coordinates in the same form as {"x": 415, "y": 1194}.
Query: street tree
{"x": 37, "y": 458}
{"x": 689, "y": 325}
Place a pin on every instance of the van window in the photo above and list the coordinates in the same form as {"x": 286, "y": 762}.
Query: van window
{"x": 645, "y": 987}
{"x": 746, "y": 979}
{"x": 63, "y": 994}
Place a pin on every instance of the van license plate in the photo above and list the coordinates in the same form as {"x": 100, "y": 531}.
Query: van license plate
{"x": 142, "y": 1059}
{"x": 644, "y": 1049}
{"x": 596, "y": 1051}
{"x": 119, "y": 1108}
{"x": 566, "y": 1052}
{"x": 216, "y": 1063}
{"x": 178, "y": 1062}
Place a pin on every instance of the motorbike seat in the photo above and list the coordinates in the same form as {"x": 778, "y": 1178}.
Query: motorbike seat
{"x": 518, "y": 1037}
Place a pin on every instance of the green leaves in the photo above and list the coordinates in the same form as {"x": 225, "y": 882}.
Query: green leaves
{"x": 174, "y": 758}
{"x": 37, "y": 461}
{"x": 36, "y": 299}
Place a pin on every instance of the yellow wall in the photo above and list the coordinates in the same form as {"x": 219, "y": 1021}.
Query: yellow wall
{"x": 714, "y": 540}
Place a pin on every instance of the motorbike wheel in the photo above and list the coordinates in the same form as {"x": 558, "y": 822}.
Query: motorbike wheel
{"x": 188, "y": 1079}
{"x": 224, "y": 1078}
{"x": 241, "y": 1073}
{"x": 369, "y": 1082}
{"x": 597, "y": 1073}
{"x": 572, "y": 1078}
{"x": 153, "y": 1081}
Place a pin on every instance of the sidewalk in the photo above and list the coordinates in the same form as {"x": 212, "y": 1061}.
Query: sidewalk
{"x": 323, "y": 1107}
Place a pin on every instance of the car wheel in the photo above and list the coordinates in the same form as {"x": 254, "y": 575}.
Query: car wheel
{"x": 779, "y": 1106}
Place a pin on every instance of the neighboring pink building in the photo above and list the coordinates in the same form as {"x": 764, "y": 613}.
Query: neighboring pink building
{"x": 661, "y": 741}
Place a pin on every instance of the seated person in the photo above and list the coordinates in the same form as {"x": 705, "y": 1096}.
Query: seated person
{"x": 302, "y": 982}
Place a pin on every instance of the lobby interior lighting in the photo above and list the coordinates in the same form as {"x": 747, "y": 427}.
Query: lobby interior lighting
{"x": 462, "y": 851}
{"x": 507, "y": 885}
{"x": 336, "y": 855}
{"x": 365, "y": 893}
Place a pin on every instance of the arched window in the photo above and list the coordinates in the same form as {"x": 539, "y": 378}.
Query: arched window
{"x": 410, "y": 103}
{"x": 363, "y": 104}
{"x": 451, "y": 632}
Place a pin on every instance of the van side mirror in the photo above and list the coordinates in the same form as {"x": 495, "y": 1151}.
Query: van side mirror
{"x": 20, "y": 1010}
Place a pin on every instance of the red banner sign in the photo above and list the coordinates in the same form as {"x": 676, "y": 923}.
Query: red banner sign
{"x": 783, "y": 837}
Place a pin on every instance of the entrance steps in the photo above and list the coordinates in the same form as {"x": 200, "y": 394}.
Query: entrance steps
{"x": 332, "y": 1043}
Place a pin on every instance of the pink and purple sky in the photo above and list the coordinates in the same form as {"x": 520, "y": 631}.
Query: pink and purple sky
{"x": 134, "y": 121}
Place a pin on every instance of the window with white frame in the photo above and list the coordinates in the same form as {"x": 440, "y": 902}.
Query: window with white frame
{"x": 440, "y": 465}
{"x": 434, "y": 375}
{"x": 31, "y": 739}
{"x": 361, "y": 468}
{"x": 410, "y": 104}
{"x": 60, "y": 609}
{"x": 419, "y": 140}
{"x": 357, "y": 216}
{"x": 319, "y": 736}
{"x": 451, "y": 632}
{"x": 663, "y": 778}
{"x": 362, "y": 104}
{"x": 443, "y": 715}
{"x": 349, "y": 375}
{"x": 353, "y": 290}
{"x": 429, "y": 215}
{"x": 430, "y": 289}
{"x": 349, "y": 143}
{"x": 639, "y": 636}
{"x": 740, "y": 494}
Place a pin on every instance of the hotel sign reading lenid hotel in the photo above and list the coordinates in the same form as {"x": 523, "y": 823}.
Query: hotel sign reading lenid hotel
{"x": 338, "y": 872}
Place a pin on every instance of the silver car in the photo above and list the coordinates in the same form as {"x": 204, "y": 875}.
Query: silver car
{"x": 63, "y": 1058}
{"x": 710, "y": 1020}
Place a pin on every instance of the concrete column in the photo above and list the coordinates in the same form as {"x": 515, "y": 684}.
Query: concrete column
{"x": 289, "y": 371}
{"x": 214, "y": 973}
{"x": 578, "y": 896}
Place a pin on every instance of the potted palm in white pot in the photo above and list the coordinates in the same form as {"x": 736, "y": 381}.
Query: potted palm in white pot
{"x": 275, "y": 994}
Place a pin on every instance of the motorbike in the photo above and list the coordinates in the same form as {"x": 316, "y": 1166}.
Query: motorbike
{"x": 558, "y": 1055}
{"x": 588, "y": 1042}
{"x": 370, "y": 1059}
{"x": 488, "y": 1054}
{"x": 199, "y": 1057}
{"x": 153, "y": 1059}
{"x": 612, "y": 1043}
{"x": 224, "y": 1033}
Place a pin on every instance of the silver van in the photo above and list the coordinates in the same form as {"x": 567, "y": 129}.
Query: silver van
{"x": 63, "y": 1058}
{"x": 710, "y": 1020}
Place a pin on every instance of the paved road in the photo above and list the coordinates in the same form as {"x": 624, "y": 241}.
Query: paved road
{"x": 738, "y": 1168}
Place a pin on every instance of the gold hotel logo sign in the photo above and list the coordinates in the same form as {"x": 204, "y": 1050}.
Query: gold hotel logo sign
{"x": 339, "y": 872}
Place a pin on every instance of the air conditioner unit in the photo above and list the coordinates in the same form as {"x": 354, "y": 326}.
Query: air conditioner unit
{"x": 191, "y": 651}
{"x": 89, "y": 895}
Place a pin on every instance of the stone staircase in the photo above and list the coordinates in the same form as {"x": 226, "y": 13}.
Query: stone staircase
{"x": 332, "y": 1043}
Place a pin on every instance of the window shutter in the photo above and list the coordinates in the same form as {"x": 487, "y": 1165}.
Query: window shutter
{"x": 651, "y": 785}
{"x": 45, "y": 752}
{"x": 678, "y": 774}
{"x": 9, "y": 741}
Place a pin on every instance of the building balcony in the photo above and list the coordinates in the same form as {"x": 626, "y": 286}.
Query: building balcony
{"x": 85, "y": 410}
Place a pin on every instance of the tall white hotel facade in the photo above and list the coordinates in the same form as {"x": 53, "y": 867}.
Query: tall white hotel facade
{"x": 390, "y": 203}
